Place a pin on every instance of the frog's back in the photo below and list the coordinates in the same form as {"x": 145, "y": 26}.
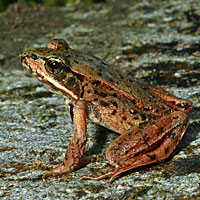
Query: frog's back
{"x": 132, "y": 89}
{"x": 99, "y": 69}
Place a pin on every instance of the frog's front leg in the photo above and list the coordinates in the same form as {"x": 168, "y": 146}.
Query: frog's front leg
{"x": 152, "y": 144}
{"x": 73, "y": 157}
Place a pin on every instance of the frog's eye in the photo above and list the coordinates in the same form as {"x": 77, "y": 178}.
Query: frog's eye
{"x": 54, "y": 66}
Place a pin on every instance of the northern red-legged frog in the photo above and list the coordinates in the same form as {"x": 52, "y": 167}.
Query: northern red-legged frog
{"x": 150, "y": 121}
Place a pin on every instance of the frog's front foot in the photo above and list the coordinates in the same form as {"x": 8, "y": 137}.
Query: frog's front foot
{"x": 62, "y": 169}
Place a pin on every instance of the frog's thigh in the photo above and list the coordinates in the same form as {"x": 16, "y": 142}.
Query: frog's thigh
{"x": 154, "y": 143}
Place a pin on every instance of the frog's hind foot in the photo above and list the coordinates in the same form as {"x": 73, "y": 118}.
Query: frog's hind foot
{"x": 110, "y": 174}
{"x": 56, "y": 170}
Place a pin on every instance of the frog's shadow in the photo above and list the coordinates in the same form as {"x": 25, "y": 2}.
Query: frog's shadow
{"x": 100, "y": 141}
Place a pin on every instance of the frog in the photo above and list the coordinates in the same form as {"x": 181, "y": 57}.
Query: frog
{"x": 149, "y": 120}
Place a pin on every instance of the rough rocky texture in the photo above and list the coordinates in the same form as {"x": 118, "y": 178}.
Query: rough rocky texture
{"x": 154, "y": 41}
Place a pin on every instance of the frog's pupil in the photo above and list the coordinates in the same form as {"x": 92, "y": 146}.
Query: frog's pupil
{"x": 53, "y": 65}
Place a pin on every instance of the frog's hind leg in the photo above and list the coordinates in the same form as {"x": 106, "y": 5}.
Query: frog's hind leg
{"x": 152, "y": 144}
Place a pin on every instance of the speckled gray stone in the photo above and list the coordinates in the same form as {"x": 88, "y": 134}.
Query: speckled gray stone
{"x": 154, "y": 41}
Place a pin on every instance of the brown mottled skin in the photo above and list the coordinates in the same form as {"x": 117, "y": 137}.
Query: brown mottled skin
{"x": 150, "y": 120}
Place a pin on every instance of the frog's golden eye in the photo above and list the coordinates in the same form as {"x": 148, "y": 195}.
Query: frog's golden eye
{"x": 54, "y": 66}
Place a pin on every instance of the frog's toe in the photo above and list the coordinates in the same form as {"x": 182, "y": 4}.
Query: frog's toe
{"x": 57, "y": 170}
{"x": 97, "y": 178}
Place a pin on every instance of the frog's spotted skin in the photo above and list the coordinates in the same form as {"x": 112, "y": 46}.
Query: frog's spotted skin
{"x": 148, "y": 117}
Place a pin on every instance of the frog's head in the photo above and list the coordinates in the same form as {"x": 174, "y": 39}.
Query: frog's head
{"x": 50, "y": 65}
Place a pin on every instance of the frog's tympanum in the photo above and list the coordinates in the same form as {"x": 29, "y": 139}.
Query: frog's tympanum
{"x": 150, "y": 121}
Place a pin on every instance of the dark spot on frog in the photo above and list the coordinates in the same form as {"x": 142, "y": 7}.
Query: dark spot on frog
{"x": 172, "y": 135}
{"x": 114, "y": 112}
{"x": 124, "y": 118}
{"x": 119, "y": 143}
{"x": 130, "y": 124}
{"x": 133, "y": 101}
{"x": 114, "y": 103}
{"x": 143, "y": 117}
{"x": 175, "y": 117}
{"x": 173, "y": 102}
{"x": 167, "y": 150}
{"x": 102, "y": 94}
{"x": 77, "y": 142}
{"x": 146, "y": 109}
{"x": 183, "y": 105}
{"x": 114, "y": 95}
{"x": 103, "y": 103}
{"x": 136, "y": 118}
{"x": 82, "y": 92}
{"x": 96, "y": 83}
{"x": 129, "y": 134}
{"x": 152, "y": 157}
{"x": 157, "y": 110}
{"x": 100, "y": 74}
